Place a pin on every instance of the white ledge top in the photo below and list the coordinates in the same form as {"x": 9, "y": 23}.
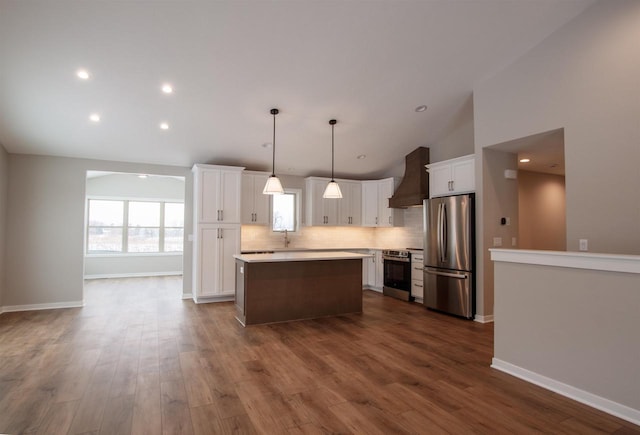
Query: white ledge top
{"x": 576, "y": 260}
{"x": 299, "y": 256}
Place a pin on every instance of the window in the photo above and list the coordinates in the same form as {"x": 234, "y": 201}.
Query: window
{"x": 285, "y": 211}
{"x": 124, "y": 226}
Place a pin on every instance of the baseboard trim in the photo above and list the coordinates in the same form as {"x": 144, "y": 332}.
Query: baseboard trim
{"x": 36, "y": 307}
{"x": 131, "y": 275}
{"x": 609, "y": 406}
{"x": 187, "y": 295}
{"x": 373, "y": 289}
{"x": 210, "y": 299}
{"x": 483, "y": 319}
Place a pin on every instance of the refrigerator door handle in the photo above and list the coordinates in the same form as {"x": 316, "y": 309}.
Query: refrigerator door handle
{"x": 447, "y": 274}
{"x": 439, "y": 232}
{"x": 445, "y": 230}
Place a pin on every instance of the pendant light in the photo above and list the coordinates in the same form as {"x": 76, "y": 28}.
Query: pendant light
{"x": 273, "y": 185}
{"x": 332, "y": 190}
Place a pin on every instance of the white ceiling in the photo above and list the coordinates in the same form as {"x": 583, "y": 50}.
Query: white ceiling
{"x": 366, "y": 63}
{"x": 544, "y": 150}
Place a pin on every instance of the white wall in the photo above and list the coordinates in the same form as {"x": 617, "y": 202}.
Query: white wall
{"x": 584, "y": 78}
{"x": 45, "y": 224}
{"x": 130, "y": 186}
{"x": 4, "y": 188}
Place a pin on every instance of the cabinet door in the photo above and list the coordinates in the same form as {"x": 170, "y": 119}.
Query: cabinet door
{"x": 385, "y": 191}
{"x": 208, "y": 195}
{"x": 371, "y": 270}
{"x": 229, "y": 244}
{"x": 439, "y": 178}
{"x": 315, "y": 212}
{"x": 345, "y": 204}
{"x": 417, "y": 289}
{"x": 370, "y": 203}
{"x": 261, "y": 201}
{"x": 379, "y": 270}
{"x": 230, "y": 196}
{"x": 330, "y": 208}
{"x": 353, "y": 203}
{"x": 207, "y": 267}
{"x": 247, "y": 194}
{"x": 463, "y": 175}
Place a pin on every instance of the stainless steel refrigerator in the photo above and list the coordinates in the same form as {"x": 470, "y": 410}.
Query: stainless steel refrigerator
{"x": 449, "y": 254}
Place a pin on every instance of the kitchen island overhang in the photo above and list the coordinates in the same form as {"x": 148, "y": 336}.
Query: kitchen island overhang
{"x": 286, "y": 286}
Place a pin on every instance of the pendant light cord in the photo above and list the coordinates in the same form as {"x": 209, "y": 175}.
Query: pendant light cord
{"x": 274, "y": 112}
{"x": 333, "y": 124}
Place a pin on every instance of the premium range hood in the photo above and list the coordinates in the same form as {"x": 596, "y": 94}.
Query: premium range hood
{"x": 415, "y": 185}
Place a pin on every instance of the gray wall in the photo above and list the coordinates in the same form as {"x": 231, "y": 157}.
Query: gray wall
{"x": 576, "y": 326}
{"x": 4, "y": 188}
{"x": 119, "y": 185}
{"x": 541, "y": 211}
{"x": 583, "y": 78}
{"x": 46, "y": 220}
{"x": 500, "y": 200}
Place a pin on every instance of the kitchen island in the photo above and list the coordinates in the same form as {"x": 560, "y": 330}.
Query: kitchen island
{"x": 286, "y": 286}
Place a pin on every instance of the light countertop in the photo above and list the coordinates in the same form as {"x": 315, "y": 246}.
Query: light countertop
{"x": 300, "y": 256}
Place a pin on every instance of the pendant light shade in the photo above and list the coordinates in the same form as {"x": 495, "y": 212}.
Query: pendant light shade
{"x": 273, "y": 185}
{"x": 332, "y": 190}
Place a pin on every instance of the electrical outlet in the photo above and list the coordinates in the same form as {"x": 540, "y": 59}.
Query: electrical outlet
{"x": 584, "y": 244}
{"x": 514, "y": 241}
{"x": 497, "y": 241}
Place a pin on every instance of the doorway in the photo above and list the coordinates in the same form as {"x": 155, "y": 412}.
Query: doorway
{"x": 134, "y": 229}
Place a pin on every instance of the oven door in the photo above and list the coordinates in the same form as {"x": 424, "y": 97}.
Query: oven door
{"x": 397, "y": 277}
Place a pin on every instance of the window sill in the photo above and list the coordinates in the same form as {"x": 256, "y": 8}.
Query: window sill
{"x": 136, "y": 254}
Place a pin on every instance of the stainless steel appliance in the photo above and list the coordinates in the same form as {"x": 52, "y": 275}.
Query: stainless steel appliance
{"x": 449, "y": 254}
{"x": 397, "y": 274}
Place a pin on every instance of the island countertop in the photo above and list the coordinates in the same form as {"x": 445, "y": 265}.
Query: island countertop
{"x": 300, "y": 256}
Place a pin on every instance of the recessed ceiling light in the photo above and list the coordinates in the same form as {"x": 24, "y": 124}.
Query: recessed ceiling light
{"x": 266, "y": 145}
{"x": 94, "y": 117}
{"x": 82, "y": 74}
{"x": 421, "y": 108}
{"x": 167, "y": 88}
{"x": 164, "y": 126}
{"x": 525, "y": 160}
{"x": 142, "y": 176}
{"x": 362, "y": 156}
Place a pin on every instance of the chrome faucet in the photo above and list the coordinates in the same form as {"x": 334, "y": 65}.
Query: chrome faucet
{"x": 286, "y": 239}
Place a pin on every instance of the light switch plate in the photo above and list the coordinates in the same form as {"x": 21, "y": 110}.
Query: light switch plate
{"x": 584, "y": 244}
{"x": 497, "y": 241}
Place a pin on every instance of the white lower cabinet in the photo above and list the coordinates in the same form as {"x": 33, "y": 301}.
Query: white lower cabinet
{"x": 417, "y": 266}
{"x": 214, "y": 265}
{"x": 373, "y": 271}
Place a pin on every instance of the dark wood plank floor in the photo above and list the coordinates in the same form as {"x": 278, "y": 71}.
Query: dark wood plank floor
{"x": 137, "y": 359}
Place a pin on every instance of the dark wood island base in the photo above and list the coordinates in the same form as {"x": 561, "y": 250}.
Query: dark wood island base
{"x": 279, "y": 291}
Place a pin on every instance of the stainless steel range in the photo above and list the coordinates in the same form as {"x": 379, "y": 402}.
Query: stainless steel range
{"x": 397, "y": 274}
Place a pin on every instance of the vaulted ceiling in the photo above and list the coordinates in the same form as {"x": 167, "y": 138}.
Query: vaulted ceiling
{"x": 368, "y": 64}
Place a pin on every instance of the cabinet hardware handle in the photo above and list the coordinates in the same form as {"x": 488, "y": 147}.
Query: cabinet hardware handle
{"x": 417, "y": 268}
{"x": 418, "y": 285}
{"x": 376, "y": 220}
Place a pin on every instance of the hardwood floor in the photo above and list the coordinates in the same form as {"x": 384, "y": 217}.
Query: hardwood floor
{"x": 137, "y": 359}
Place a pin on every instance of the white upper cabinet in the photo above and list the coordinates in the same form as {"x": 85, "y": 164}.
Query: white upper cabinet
{"x": 255, "y": 204}
{"x": 375, "y": 204}
{"x": 350, "y": 206}
{"x": 319, "y": 211}
{"x": 451, "y": 177}
{"x": 218, "y": 190}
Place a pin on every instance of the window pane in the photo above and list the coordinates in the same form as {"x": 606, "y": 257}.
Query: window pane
{"x": 173, "y": 239}
{"x": 104, "y": 240}
{"x": 144, "y": 214}
{"x": 144, "y": 239}
{"x": 284, "y": 212}
{"x": 173, "y": 214}
{"x": 105, "y": 213}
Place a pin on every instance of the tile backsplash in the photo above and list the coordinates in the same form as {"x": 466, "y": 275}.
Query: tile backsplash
{"x": 255, "y": 237}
